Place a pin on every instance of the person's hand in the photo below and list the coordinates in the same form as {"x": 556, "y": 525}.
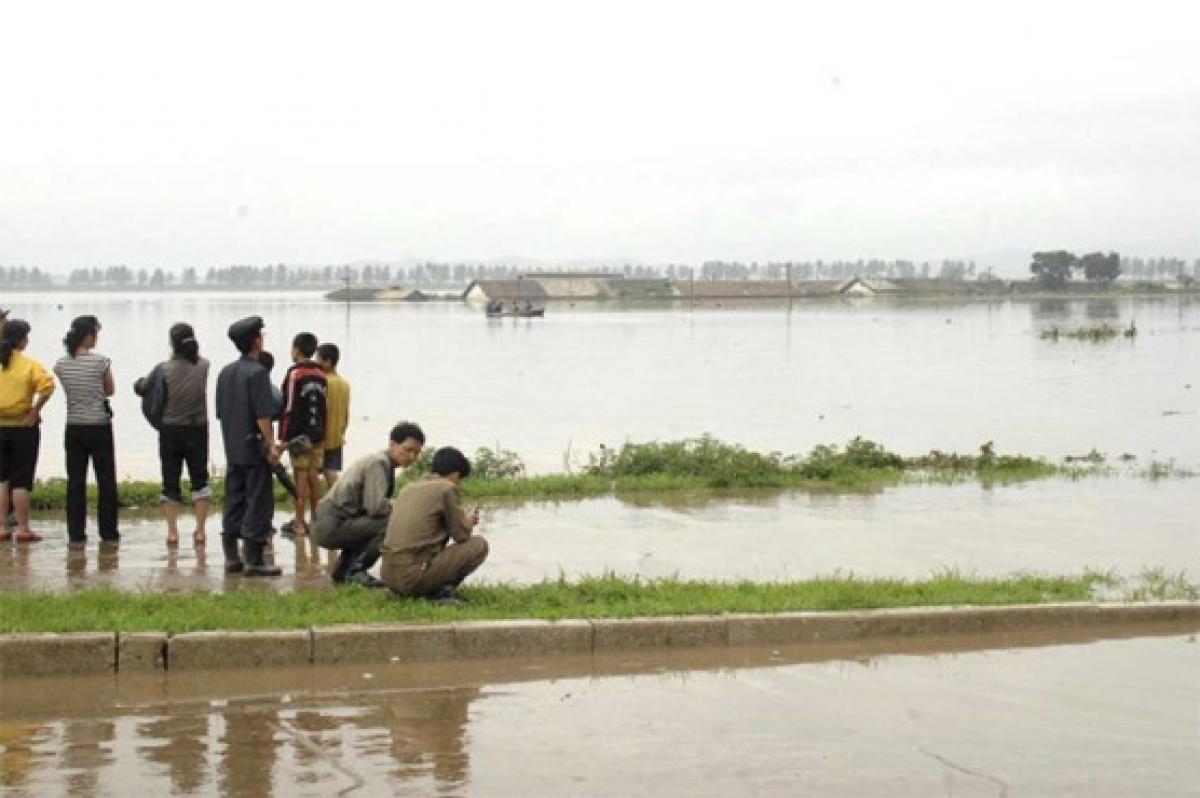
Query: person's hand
{"x": 32, "y": 418}
{"x": 273, "y": 454}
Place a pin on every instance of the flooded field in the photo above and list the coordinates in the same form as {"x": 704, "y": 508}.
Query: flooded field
{"x": 914, "y": 376}
{"x": 1049, "y": 526}
{"x": 981, "y": 716}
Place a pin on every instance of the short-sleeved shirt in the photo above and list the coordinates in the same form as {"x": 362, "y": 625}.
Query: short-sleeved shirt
{"x": 82, "y": 378}
{"x": 20, "y": 381}
{"x": 337, "y": 410}
{"x": 243, "y": 397}
{"x": 187, "y": 385}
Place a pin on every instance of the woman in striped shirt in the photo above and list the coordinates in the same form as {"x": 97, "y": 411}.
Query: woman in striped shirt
{"x": 25, "y": 387}
{"x": 87, "y": 379}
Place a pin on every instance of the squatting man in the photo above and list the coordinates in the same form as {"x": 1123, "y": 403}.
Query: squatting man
{"x": 413, "y": 532}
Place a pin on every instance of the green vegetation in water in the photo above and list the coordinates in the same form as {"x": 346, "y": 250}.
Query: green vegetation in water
{"x": 598, "y": 597}
{"x": 706, "y": 464}
{"x": 1103, "y": 332}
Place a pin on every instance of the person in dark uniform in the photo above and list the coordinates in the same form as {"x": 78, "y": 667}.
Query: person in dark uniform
{"x": 245, "y": 407}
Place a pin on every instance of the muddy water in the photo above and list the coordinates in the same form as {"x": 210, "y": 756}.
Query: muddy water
{"x": 915, "y": 376}
{"x": 1052, "y": 526}
{"x": 958, "y": 716}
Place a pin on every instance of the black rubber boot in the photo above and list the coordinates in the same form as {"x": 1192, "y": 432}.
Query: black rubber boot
{"x": 256, "y": 565}
{"x": 341, "y": 569}
{"x": 233, "y": 556}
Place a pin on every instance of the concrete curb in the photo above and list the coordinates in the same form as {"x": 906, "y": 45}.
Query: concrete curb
{"x": 57, "y": 654}
{"x": 260, "y": 649}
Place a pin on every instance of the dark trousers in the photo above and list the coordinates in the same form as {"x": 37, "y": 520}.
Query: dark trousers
{"x": 94, "y": 442}
{"x": 18, "y": 456}
{"x": 249, "y": 502}
{"x": 358, "y": 539}
{"x": 179, "y": 444}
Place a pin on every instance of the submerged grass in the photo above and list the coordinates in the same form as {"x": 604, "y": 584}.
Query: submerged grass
{"x": 707, "y": 464}
{"x": 598, "y": 597}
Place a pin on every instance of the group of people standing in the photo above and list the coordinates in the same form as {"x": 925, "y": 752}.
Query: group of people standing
{"x": 423, "y": 535}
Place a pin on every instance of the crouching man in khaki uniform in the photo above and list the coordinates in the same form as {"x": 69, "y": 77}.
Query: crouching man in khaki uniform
{"x": 425, "y": 516}
{"x": 353, "y": 516}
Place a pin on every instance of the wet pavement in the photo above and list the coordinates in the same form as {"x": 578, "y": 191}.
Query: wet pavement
{"x": 1050, "y": 526}
{"x": 1038, "y": 714}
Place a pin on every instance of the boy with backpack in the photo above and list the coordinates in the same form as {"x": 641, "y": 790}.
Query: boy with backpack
{"x": 302, "y": 425}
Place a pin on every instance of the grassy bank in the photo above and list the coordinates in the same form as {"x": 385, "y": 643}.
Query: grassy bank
{"x": 704, "y": 463}
{"x": 600, "y": 597}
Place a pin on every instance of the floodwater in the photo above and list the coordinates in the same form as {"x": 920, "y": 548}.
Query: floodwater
{"x": 914, "y": 376}
{"x": 1048, "y": 526}
{"x": 986, "y": 716}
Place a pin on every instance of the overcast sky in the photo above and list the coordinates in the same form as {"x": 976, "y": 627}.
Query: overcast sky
{"x": 154, "y": 135}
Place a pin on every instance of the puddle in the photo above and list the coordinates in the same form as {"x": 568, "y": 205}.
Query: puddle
{"x": 1051, "y": 526}
{"x": 960, "y": 716}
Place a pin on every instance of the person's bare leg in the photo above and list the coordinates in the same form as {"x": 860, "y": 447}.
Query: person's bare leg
{"x": 314, "y": 492}
{"x": 299, "y": 526}
{"x": 331, "y": 478}
{"x": 4, "y": 533}
{"x": 20, "y": 499}
{"x": 200, "y": 535}
{"x": 171, "y": 513}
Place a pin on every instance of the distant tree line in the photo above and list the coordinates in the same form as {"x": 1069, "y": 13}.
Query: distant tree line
{"x": 1050, "y": 268}
{"x": 1055, "y": 269}
{"x": 24, "y": 277}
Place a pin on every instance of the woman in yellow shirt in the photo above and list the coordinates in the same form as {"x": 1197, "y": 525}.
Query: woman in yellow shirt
{"x": 25, "y": 387}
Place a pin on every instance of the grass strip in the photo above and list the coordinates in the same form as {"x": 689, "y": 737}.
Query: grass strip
{"x": 706, "y": 464}
{"x": 596, "y": 597}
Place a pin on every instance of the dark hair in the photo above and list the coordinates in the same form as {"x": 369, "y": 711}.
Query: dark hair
{"x": 449, "y": 460}
{"x": 183, "y": 342}
{"x": 329, "y": 352}
{"x": 81, "y": 327}
{"x": 267, "y": 359}
{"x": 306, "y": 342}
{"x": 15, "y": 331}
{"x": 405, "y": 430}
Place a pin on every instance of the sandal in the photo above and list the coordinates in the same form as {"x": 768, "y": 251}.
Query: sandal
{"x": 27, "y": 537}
{"x": 199, "y": 538}
{"x": 172, "y": 540}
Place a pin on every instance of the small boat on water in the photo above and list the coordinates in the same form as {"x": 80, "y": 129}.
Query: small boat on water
{"x": 518, "y": 310}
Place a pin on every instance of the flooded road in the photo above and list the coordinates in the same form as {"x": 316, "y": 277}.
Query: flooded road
{"x": 1049, "y": 526}
{"x": 913, "y": 376}
{"x": 987, "y": 716}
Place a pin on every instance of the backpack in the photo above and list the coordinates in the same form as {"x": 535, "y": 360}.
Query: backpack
{"x": 153, "y": 390}
{"x": 304, "y": 391}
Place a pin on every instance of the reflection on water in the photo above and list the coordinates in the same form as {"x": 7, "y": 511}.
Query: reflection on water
{"x": 1051, "y": 310}
{"x": 780, "y": 720}
{"x": 1102, "y": 309}
{"x": 1049, "y": 526}
{"x": 913, "y": 375}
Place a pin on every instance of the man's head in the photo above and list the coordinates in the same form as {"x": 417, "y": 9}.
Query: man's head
{"x": 246, "y": 335}
{"x": 452, "y": 464}
{"x": 304, "y": 346}
{"x": 404, "y": 444}
{"x": 328, "y": 356}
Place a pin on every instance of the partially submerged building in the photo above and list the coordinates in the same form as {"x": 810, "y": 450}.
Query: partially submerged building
{"x": 543, "y": 286}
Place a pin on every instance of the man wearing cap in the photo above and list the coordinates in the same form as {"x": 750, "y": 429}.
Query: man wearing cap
{"x": 245, "y": 407}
